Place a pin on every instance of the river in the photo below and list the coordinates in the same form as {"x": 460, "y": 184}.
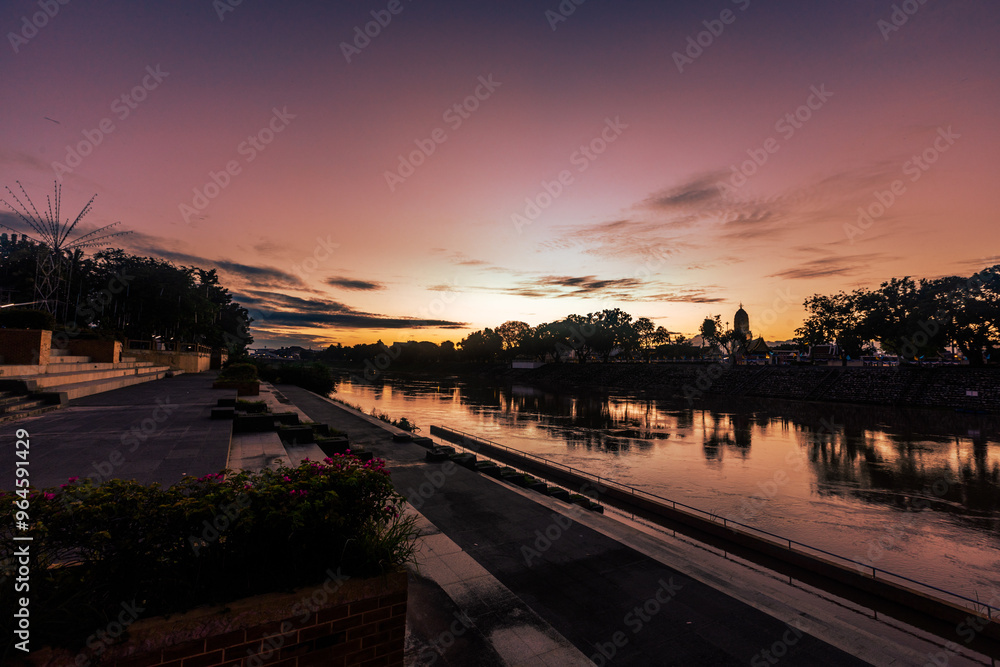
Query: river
{"x": 913, "y": 492}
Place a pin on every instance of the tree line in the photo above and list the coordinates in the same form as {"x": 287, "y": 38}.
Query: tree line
{"x": 600, "y": 336}
{"x": 911, "y": 318}
{"x": 118, "y": 295}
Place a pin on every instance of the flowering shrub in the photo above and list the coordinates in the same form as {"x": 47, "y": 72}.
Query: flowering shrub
{"x": 204, "y": 540}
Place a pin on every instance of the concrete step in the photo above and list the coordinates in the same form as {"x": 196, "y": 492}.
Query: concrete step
{"x": 45, "y": 381}
{"x": 58, "y": 352}
{"x": 67, "y": 359}
{"x": 24, "y": 403}
{"x": 57, "y": 367}
{"x": 23, "y": 414}
{"x": 99, "y": 385}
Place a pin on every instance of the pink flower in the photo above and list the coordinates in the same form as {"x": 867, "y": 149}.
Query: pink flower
{"x": 49, "y": 496}
{"x": 287, "y": 478}
{"x": 73, "y": 479}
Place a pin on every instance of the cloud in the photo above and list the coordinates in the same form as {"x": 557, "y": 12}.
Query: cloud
{"x": 701, "y": 192}
{"x": 258, "y": 275}
{"x": 359, "y": 285}
{"x": 271, "y": 310}
{"x": 831, "y": 266}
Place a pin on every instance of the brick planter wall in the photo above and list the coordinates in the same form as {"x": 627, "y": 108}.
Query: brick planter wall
{"x": 30, "y": 347}
{"x": 99, "y": 351}
{"x": 339, "y": 623}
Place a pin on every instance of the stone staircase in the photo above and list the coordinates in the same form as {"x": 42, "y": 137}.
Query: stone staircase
{"x": 27, "y": 390}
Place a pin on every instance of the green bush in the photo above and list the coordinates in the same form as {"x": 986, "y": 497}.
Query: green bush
{"x": 26, "y": 318}
{"x": 206, "y": 540}
{"x": 239, "y": 373}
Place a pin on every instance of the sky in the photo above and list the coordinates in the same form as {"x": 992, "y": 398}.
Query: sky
{"x": 417, "y": 170}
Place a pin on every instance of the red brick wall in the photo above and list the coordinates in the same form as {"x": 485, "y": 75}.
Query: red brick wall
{"x": 29, "y": 347}
{"x": 362, "y": 623}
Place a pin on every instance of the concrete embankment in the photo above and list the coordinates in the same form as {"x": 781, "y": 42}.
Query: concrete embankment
{"x": 954, "y": 387}
{"x": 863, "y": 585}
{"x": 609, "y": 600}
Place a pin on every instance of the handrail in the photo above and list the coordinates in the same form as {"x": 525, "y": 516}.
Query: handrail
{"x": 977, "y": 605}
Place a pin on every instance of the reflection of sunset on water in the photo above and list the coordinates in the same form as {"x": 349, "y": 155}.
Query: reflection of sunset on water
{"x": 914, "y": 492}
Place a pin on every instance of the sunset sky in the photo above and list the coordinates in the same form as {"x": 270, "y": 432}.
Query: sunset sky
{"x": 627, "y": 135}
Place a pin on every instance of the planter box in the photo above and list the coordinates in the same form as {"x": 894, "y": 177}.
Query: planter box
{"x": 353, "y": 621}
{"x": 101, "y": 351}
{"x": 465, "y": 460}
{"x": 558, "y": 493}
{"x": 296, "y": 435}
{"x": 242, "y": 388}
{"x": 539, "y": 487}
{"x": 25, "y": 347}
{"x": 334, "y": 445}
{"x": 253, "y": 423}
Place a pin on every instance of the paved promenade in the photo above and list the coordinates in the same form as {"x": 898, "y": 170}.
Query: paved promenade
{"x": 615, "y": 604}
{"x": 152, "y": 432}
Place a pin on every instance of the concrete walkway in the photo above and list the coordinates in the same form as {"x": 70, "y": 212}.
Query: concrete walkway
{"x": 613, "y": 603}
{"x": 157, "y": 431}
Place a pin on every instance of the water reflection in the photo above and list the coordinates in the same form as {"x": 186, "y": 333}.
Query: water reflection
{"x": 915, "y": 492}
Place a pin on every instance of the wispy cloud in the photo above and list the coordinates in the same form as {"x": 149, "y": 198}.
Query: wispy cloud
{"x": 824, "y": 267}
{"x": 357, "y": 285}
{"x": 271, "y": 311}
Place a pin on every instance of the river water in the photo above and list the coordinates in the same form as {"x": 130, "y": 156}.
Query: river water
{"x": 913, "y": 492}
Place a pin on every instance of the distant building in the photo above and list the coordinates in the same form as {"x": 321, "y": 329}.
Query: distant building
{"x": 749, "y": 350}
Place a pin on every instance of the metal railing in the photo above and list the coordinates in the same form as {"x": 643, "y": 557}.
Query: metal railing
{"x": 777, "y": 540}
{"x": 171, "y": 346}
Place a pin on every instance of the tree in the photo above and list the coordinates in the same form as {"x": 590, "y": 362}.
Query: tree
{"x": 613, "y": 330}
{"x": 512, "y": 333}
{"x": 646, "y": 333}
{"x": 485, "y": 345}
{"x": 718, "y": 336}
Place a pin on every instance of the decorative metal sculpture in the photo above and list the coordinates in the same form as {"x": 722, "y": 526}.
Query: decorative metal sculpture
{"x": 53, "y": 240}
